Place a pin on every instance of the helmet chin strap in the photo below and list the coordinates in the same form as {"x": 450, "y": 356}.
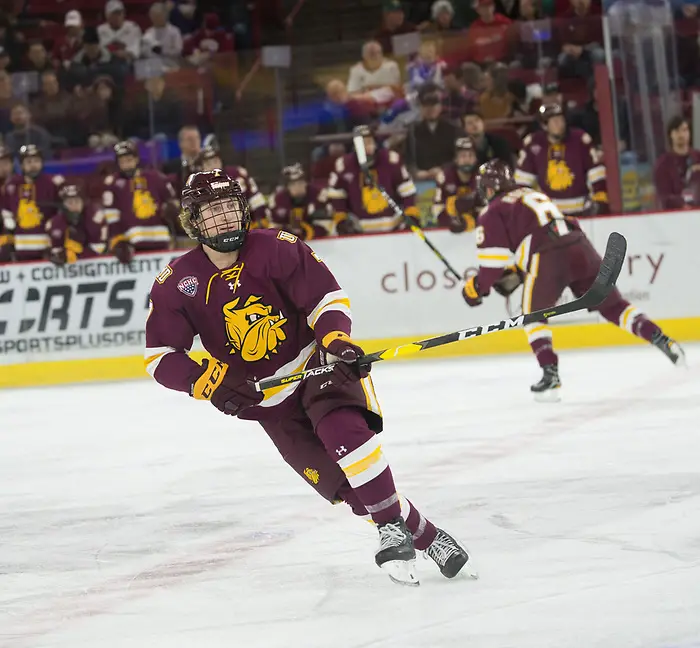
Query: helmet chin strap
{"x": 228, "y": 242}
{"x": 466, "y": 168}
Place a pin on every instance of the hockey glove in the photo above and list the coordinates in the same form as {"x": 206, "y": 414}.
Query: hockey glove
{"x": 471, "y": 293}
{"x": 57, "y": 256}
{"x": 509, "y": 282}
{"x": 229, "y": 394}
{"x": 341, "y": 349}
{"x": 124, "y": 251}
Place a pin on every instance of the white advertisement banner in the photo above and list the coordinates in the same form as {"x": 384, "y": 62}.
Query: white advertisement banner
{"x": 397, "y": 287}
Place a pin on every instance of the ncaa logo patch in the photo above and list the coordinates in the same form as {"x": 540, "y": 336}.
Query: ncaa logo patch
{"x": 188, "y": 286}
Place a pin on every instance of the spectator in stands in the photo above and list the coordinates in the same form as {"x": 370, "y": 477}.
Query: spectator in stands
{"x": 536, "y": 49}
{"x": 490, "y": 37}
{"x": 6, "y": 102}
{"x": 677, "y": 172}
{"x": 393, "y": 24}
{"x": 431, "y": 141}
{"x": 93, "y": 60}
{"x": 121, "y": 37}
{"x": 442, "y": 15}
{"x": 208, "y": 41}
{"x": 167, "y": 111}
{"x": 4, "y": 59}
{"x": 68, "y": 44}
{"x": 579, "y": 33}
{"x": 37, "y": 58}
{"x": 53, "y": 109}
{"x": 190, "y": 141}
{"x": 9, "y": 41}
{"x": 488, "y": 145}
{"x": 100, "y": 113}
{"x": 162, "y": 38}
{"x": 24, "y": 132}
{"x": 374, "y": 80}
{"x": 186, "y": 16}
{"x": 496, "y": 101}
{"x": 457, "y": 98}
{"x": 425, "y": 67}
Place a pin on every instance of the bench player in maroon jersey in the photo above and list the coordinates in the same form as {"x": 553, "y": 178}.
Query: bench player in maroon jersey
{"x": 7, "y": 239}
{"x": 78, "y": 231}
{"x": 139, "y": 206}
{"x": 524, "y": 226}
{"x": 264, "y": 304}
{"x": 210, "y": 158}
{"x": 300, "y": 207}
{"x": 563, "y": 163}
{"x": 456, "y": 202}
{"x": 30, "y": 199}
{"x": 357, "y": 205}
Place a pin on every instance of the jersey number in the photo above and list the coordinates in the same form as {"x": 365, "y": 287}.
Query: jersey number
{"x": 286, "y": 236}
{"x": 546, "y": 211}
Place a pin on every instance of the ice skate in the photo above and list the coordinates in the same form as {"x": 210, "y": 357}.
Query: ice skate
{"x": 450, "y": 556}
{"x": 547, "y": 390}
{"x": 396, "y": 554}
{"x": 671, "y": 349}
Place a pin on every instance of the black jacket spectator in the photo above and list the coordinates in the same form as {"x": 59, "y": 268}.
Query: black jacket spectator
{"x": 166, "y": 107}
{"x": 24, "y": 132}
{"x": 93, "y": 61}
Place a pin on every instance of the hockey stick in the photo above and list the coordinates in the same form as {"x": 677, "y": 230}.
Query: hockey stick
{"x": 359, "y": 144}
{"x": 600, "y": 288}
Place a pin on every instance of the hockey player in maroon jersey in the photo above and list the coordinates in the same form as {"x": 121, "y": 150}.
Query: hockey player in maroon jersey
{"x": 357, "y": 205}
{"x": 78, "y": 231}
{"x": 456, "y": 202}
{"x": 139, "y": 206}
{"x": 210, "y": 159}
{"x": 524, "y": 226}
{"x": 30, "y": 199}
{"x": 263, "y": 303}
{"x": 563, "y": 163}
{"x": 7, "y": 238}
{"x": 300, "y": 207}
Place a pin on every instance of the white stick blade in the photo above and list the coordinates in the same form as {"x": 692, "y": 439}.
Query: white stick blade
{"x": 359, "y": 143}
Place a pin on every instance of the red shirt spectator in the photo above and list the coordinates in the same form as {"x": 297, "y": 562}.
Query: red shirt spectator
{"x": 209, "y": 40}
{"x": 67, "y": 46}
{"x": 581, "y": 24}
{"x": 489, "y": 37}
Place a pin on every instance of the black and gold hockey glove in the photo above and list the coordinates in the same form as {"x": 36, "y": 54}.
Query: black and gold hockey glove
{"x": 509, "y": 282}
{"x": 229, "y": 394}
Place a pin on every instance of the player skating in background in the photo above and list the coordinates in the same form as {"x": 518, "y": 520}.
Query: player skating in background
{"x": 264, "y": 304}
{"x": 524, "y": 226}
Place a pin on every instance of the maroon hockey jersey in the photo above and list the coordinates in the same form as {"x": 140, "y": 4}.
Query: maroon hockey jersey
{"x": 454, "y": 196}
{"x": 349, "y": 192}
{"x": 27, "y": 206}
{"x": 85, "y": 240}
{"x": 133, "y": 209}
{"x": 259, "y": 211}
{"x": 677, "y": 180}
{"x": 513, "y": 229}
{"x": 265, "y": 315}
{"x": 570, "y": 172}
{"x": 310, "y": 215}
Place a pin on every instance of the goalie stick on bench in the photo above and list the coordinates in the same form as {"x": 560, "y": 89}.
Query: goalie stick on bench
{"x": 602, "y": 286}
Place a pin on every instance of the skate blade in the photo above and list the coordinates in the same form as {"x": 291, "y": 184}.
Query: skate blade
{"x": 549, "y": 396}
{"x": 469, "y": 570}
{"x": 681, "y": 360}
{"x": 402, "y": 572}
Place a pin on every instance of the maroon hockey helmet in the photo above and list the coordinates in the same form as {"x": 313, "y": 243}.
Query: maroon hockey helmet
{"x": 465, "y": 144}
{"x": 125, "y": 147}
{"x": 207, "y": 153}
{"x": 70, "y": 191}
{"x": 29, "y": 150}
{"x": 495, "y": 175}
{"x": 225, "y": 224}
{"x": 293, "y": 173}
{"x": 547, "y": 111}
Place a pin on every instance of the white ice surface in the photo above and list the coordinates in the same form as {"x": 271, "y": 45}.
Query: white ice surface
{"x": 131, "y": 516}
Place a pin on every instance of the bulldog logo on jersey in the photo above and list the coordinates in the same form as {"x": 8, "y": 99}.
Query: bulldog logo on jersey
{"x": 252, "y": 328}
{"x": 188, "y": 286}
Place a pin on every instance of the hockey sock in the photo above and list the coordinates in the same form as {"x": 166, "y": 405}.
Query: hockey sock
{"x": 542, "y": 347}
{"x": 631, "y": 319}
{"x": 347, "y": 438}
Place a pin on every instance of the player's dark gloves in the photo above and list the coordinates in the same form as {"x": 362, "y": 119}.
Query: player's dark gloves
{"x": 471, "y": 292}
{"x": 509, "y": 282}
{"x": 124, "y": 251}
{"x": 57, "y": 256}
{"x": 228, "y": 393}
{"x": 341, "y": 349}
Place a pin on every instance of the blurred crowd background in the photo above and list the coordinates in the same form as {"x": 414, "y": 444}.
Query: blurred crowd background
{"x": 273, "y": 90}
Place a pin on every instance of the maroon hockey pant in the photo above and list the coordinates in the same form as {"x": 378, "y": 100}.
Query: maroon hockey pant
{"x": 572, "y": 262}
